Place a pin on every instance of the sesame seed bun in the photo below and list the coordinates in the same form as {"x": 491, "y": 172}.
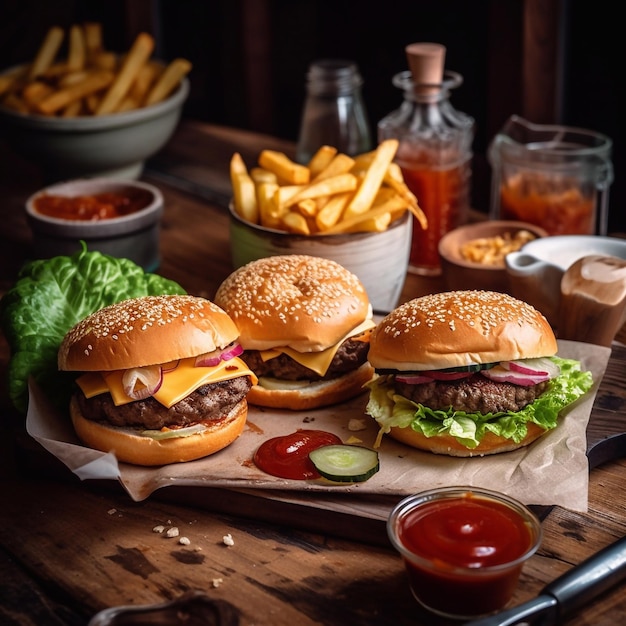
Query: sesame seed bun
{"x": 132, "y": 448}
{"x": 458, "y": 328}
{"x": 146, "y": 331}
{"x": 306, "y": 304}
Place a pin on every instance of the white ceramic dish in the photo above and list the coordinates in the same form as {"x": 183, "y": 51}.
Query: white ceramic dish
{"x": 380, "y": 260}
{"x": 134, "y": 236}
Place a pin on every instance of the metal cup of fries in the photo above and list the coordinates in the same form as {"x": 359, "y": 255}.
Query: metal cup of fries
{"x": 356, "y": 211}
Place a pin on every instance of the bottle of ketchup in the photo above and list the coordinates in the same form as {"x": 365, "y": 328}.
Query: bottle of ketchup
{"x": 435, "y": 150}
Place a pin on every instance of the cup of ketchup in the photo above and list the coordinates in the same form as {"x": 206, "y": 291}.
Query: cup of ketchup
{"x": 463, "y": 548}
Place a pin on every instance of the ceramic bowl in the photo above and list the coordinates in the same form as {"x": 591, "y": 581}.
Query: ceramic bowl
{"x": 460, "y": 273}
{"x": 134, "y": 236}
{"x": 115, "y": 145}
{"x": 536, "y": 271}
{"x": 379, "y": 259}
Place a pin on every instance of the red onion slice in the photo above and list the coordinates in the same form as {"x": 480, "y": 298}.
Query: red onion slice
{"x": 141, "y": 382}
{"x": 413, "y": 379}
{"x": 211, "y": 359}
{"x": 448, "y": 375}
{"x": 502, "y": 375}
{"x": 534, "y": 367}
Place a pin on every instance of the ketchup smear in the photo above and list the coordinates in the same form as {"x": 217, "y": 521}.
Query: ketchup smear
{"x": 288, "y": 456}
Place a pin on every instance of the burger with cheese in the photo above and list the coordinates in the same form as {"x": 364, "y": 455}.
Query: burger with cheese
{"x": 304, "y": 323}
{"x": 469, "y": 373}
{"x": 161, "y": 381}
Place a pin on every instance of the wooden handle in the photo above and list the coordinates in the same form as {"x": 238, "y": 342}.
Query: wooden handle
{"x": 426, "y": 62}
{"x": 593, "y": 300}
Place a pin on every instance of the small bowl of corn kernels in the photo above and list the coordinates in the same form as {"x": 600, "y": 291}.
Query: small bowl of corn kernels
{"x": 472, "y": 256}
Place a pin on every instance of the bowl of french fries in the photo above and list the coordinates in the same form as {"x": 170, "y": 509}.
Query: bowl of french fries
{"x": 473, "y": 255}
{"x": 78, "y": 109}
{"x": 356, "y": 211}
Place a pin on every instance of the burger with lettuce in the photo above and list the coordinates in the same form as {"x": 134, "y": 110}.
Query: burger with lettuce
{"x": 468, "y": 373}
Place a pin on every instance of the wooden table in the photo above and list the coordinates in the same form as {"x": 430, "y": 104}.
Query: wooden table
{"x": 69, "y": 549}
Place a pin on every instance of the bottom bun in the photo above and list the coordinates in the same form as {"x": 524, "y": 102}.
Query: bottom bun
{"x": 314, "y": 395}
{"x": 131, "y": 448}
{"x": 446, "y": 444}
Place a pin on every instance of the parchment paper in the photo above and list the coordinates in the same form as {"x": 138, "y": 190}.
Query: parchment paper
{"x": 551, "y": 471}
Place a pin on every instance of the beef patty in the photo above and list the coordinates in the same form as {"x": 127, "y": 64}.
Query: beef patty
{"x": 349, "y": 357}
{"x": 210, "y": 402}
{"x": 474, "y": 394}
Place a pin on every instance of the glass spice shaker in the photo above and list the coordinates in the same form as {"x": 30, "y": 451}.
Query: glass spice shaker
{"x": 435, "y": 150}
{"x": 334, "y": 113}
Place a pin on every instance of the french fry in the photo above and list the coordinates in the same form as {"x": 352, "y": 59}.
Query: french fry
{"x": 60, "y": 99}
{"x": 321, "y": 159}
{"x": 137, "y": 56}
{"x": 340, "y": 164}
{"x": 146, "y": 77}
{"x": 47, "y": 52}
{"x": 105, "y": 61}
{"x": 284, "y": 167}
{"x": 296, "y": 223}
{"x": 72, "y": 109}
{"x": 325, "y": 187}
{"x": 93, "y": 39}
{"x": 364, "y": 196}
{"x": 348, "y": 224}
{"x": 77, "y": 55}
{"x": 332, "y": 211}
{"x": 261, "y": 175}
{"x": 269, "y": 214}
{"x": 71, "y": 78}
{"x": 35, "y": 92}
{"x": 306, "y": 207}
{"x": 244, "y": 191}
{"x": 170, "y": 78}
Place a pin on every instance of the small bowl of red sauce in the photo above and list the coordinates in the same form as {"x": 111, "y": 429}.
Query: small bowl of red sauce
{"x": 463, "y": 548}
{"x": 120, "y": 218}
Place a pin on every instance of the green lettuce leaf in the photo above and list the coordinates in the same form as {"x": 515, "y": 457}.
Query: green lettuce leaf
{"x": 52, "y": 295}
{"x": 392, "y": 410}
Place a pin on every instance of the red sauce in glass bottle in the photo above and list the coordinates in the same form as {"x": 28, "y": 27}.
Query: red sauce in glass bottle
{"x": 468, "y": 553}
{"x": 288, "y": 456}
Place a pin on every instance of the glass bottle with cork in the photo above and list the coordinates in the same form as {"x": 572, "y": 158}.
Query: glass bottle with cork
{"x": 435, "y": 149}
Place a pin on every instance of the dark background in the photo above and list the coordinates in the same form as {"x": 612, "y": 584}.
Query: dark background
{"x": 234, "y": 44}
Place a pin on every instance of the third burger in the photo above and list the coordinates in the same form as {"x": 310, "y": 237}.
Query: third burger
{"x": 467, "y": 373}
{"x": 304, "y": 324}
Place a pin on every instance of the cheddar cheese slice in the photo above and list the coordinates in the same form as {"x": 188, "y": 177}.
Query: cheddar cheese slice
{"x": 319, "y": 362}
{"x": 178, "y": 382}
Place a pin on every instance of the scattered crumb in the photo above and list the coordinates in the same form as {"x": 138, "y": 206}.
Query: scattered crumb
{"x": 217, "y": 582}
{"x": 184, "y": 541}
{"x": 228, "y": 540}
{"x": 112, "y": 511}
{"x": 356, "y": 424}
{"x": 158, "y": 529}
{"x": 172, "y": 532}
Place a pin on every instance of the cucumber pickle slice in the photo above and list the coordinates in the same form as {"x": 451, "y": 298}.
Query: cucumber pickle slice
{"x": 345, "y": 463}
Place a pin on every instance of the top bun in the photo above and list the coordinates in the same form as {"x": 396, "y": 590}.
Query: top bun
{"x": 306, "y": 303}
{"x": 458, "y": 328}
{"x": 146, "y": 331}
